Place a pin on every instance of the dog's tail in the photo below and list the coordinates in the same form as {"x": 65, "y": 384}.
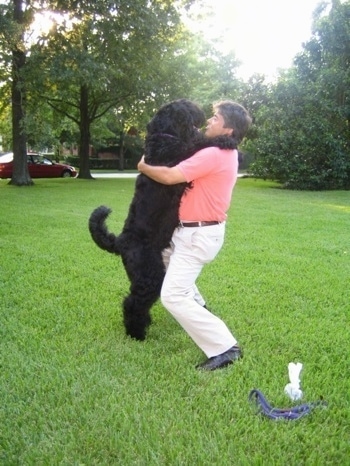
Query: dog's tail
{"x": 99, "y": 232}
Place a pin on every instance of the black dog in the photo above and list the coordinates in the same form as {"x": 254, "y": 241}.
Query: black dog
{"x": 172, "y": 136}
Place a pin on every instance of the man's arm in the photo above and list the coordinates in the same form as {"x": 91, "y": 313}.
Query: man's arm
{"x": 164, "y": 175}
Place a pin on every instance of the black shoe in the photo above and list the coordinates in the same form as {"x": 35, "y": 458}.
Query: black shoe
{"x": 222, "y": 360}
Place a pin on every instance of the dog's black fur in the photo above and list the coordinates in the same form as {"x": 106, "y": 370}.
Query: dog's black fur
{"x": 172, "y": 136}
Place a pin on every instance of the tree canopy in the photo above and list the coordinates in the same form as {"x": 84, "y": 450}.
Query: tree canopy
{"x": 105, "y": 66}
{"x": 303, "y": 134}
{"x": 101, "y": 56}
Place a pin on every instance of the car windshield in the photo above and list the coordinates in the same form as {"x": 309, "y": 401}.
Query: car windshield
{"x": 6, "y": 158}
{"x": 37, "y": 158}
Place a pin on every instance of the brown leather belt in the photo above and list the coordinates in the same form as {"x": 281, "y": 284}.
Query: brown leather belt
{"x": 198, "y": 224}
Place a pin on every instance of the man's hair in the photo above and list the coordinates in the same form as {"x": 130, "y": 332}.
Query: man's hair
{"x": 235, "y": 117}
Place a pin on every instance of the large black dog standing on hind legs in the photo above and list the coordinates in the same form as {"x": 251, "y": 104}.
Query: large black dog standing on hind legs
{"x": 172, "y": 136}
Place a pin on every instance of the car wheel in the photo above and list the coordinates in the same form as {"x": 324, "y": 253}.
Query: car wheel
{"x": 66, "y": 174}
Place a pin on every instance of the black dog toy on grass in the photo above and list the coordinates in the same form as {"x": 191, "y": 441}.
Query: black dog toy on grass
{"x": 293, "y": 413}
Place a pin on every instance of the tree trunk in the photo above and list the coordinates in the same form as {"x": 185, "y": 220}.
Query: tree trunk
{"x": 84, "y": 146}
{"x": 20, "y": 175}
{"x": 121, "y": 150}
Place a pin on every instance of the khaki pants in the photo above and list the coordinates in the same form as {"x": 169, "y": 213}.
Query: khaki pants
{"x": 190, "y": 250}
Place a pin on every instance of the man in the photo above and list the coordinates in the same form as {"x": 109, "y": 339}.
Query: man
{"x": 200, "y": 235}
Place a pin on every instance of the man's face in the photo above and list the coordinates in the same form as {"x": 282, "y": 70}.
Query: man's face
{"x": 215, "y": 126}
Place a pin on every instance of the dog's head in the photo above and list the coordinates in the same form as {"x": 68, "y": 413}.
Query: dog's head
{"x": 180, "y": 119}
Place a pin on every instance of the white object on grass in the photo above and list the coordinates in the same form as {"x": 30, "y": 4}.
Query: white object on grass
{"x": 292, "y": 389}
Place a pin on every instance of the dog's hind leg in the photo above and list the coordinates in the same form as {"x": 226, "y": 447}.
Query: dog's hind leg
{"x": 145, "y": 269}
{"x": 137, "y": 317}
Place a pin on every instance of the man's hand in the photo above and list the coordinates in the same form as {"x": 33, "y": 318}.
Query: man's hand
{"x": 141, "y": 164}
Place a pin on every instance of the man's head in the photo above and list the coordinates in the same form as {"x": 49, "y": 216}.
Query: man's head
{"x": 229, "y": 119}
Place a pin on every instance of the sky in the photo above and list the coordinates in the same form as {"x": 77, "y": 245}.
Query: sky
{"x": 264, "y": 34}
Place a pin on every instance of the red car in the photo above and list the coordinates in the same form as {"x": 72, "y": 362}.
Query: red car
{"x": 38, "y": 166}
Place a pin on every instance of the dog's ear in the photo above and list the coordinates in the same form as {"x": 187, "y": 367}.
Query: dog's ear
{"x": 182, "y": 122}
{"x": 159, "y": 122}
{"x": 197, "y": 114}
{"x": 179, "y": 118}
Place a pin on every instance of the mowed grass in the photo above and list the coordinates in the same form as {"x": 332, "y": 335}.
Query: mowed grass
{"x": 76, "y": 391}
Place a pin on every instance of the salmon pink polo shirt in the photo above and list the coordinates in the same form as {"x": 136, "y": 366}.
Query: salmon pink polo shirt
{"x": 213, "y": 173}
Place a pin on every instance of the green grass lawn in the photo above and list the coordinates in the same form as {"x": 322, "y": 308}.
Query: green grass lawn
{"x": 74, "y": 390}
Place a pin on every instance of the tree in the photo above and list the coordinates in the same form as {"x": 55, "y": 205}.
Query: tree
{"x": 100, "y": 56}
{"x": 14, "y": 62}
{"x": 5, "y": 125}
{"x": 113, "y": 57}
{"x": 304, "y": 133}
